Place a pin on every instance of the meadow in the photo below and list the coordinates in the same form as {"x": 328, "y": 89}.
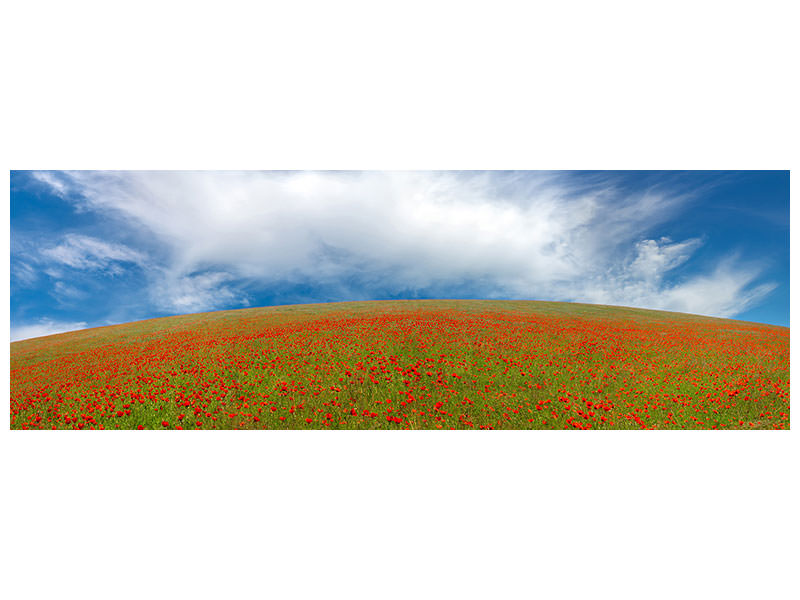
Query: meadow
{"x": 427, "y": 364}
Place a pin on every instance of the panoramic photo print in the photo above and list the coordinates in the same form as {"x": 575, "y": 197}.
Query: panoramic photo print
{"x": 394, "y": 300}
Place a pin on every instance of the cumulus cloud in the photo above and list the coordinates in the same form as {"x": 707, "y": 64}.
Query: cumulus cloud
{"x": 374, "y": 234}
{"x": 43, "y": 327}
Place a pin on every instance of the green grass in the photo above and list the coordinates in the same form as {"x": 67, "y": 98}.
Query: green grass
{"x": 466, "y": 364}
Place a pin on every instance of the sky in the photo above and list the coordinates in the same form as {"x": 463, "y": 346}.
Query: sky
{"x": 93, "y": 248}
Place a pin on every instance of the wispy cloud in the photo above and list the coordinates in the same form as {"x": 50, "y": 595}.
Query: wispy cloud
{"x": 65, "y": 292}
{"x": 724, "y": 292}
{"x": 655, "y": 258}
{"x": 58, "y": 184}
{"x": 84, "y": 252}
{"x": 372, "y": 234}
{"x": 43, "y": 327}
{"x": 195, "y": 293}
{"x": 23, "y": 274}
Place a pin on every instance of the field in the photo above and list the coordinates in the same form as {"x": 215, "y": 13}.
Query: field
{"x": 455, "y": 364}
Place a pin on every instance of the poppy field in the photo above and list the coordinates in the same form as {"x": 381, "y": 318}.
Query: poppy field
{"x": 455, "y": 364}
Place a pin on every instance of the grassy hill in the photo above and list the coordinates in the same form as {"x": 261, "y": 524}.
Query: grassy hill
{"x": 427, "y": 364}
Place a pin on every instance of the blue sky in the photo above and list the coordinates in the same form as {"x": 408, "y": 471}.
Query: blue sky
{"x": 91, "y": 248}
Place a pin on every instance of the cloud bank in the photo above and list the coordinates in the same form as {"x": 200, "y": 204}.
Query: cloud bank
{"x": 206, "y": 240}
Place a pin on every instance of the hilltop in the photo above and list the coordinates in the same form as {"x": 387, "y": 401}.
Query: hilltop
{"x": 411, "y": 364}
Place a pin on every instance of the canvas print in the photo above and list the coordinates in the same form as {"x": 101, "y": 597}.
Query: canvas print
{"x": 395, "y": 300}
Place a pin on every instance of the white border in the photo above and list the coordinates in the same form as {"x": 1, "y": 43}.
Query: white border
{"x": 359, "y": 85}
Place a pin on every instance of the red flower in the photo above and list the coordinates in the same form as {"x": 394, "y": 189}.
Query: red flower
{"x": 165, "y": 423}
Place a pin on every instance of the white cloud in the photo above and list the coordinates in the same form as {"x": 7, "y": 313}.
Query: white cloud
{"x": 724, "y": 292}
{"x": 187, "y": 294}
{"x": 536, "y": 236}
{"x": 64, "y": 291}
{"x": 655, "y": 258}
{"x": 56, "y": 183}
{"x": 42, "y": 328}
{"x": 84, "y": 252}
{"x": 23, "y": 274}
